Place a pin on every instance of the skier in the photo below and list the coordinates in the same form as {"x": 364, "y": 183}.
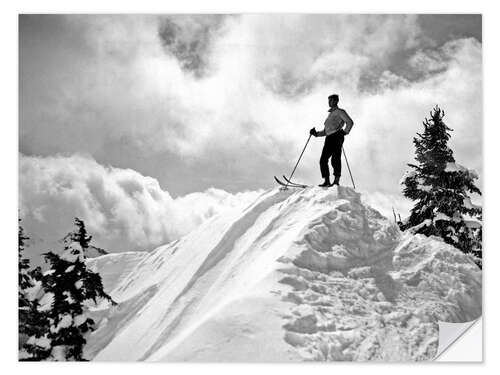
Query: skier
{"x": 334, "y": 131}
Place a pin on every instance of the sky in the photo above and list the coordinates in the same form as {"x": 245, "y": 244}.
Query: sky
{"x": 121, "y": 117}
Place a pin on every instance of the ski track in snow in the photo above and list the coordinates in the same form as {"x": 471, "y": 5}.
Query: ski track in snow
{"x": 300, "y": 275}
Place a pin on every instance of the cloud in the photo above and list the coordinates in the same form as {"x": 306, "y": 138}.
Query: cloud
{"x": 309, "y": 51}
{"x": 123, "y": 209}
{"x": 189, "y": 39}
{"x": 200, "y": 101}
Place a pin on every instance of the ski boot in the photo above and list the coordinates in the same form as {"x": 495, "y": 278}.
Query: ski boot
{"x": 326, "y": 183}
{"x": 336, "y": 180}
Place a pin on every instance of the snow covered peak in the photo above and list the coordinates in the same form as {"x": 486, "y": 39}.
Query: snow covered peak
{"x": 311, "y": 274}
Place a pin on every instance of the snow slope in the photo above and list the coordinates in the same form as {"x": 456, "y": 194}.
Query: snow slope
{"x": 113, "y": 268}
{"x": 311, "y": 274}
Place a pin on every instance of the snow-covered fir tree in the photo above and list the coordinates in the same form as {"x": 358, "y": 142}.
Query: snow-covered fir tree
{"x": 80, "y": 235}
{"x": 37, "y": 346}
{"x": 69, "y": 287}
{"x": 25, "y": 281}
{"x": 441, "y": 190}
{"x": 32, "y": 322}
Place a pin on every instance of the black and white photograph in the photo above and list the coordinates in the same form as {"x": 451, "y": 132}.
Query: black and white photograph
{"x": 249, "y": 187}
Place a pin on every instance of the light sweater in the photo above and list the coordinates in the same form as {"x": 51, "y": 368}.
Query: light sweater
{"x": 335, "y": 121}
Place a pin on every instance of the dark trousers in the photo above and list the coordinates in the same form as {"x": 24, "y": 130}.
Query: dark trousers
{"x": 332, "y": 149}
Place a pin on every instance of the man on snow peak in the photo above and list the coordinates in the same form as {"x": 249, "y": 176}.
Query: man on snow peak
{"x": 334, "y": 132}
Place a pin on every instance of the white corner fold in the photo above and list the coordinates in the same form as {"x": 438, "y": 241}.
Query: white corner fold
{"x": 460, "y": 342}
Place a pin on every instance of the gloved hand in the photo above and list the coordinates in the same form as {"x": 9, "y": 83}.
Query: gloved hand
{"x": 313, "y": 132}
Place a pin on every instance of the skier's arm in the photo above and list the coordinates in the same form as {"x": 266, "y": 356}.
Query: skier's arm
{"x": 321, "y": 133}
{"x": 317, "y": 133}
{"x": 348, "y": 121}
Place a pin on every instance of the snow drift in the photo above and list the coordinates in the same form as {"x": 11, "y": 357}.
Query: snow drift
{"x": 298, "y": 275}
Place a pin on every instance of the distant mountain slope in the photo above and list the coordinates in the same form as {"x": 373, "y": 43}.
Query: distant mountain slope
{"x": 299, "y": 275}
{"x": 113, "y": 268}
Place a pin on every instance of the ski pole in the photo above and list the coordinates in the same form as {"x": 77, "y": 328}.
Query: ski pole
{"x": 349, "y": 168}
{"x": 298, "y": 161}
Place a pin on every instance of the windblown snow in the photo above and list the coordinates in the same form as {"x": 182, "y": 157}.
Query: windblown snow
{"x": 299, "y": 275}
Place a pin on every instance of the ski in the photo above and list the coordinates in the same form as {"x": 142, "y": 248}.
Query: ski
{"x": 288, "y": 185}
{"x": 279, "y": 181}
{"x": 293, "y": 183}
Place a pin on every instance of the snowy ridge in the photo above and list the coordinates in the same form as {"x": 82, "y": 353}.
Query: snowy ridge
{"x": 106, "y": 266}
{"x": 310, "y": 274}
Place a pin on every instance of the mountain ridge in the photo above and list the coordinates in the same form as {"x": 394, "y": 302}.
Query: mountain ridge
{"x": 312, "y": 274}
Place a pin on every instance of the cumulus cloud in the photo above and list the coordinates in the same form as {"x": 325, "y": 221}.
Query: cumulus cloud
{"x": 190, "y": 39}
{"x": 123, "y": 209}
{"x": 200, "y": 101}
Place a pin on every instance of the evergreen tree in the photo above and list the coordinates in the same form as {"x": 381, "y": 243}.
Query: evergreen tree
{"x": 37, "y": 346}
{"x": 32, "y": 322}
{"x": 69, "y": 287}
{"x": 441, "y": 190}
{"x": 80, "y": 235}
{"x": 25, "y": 281}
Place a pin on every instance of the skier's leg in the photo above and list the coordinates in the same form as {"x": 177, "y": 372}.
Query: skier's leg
{"x": 337, "y": 155}
{"x": 323, "y": 160}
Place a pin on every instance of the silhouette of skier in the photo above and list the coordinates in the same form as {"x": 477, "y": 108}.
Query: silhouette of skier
{"x": 334, "y": 132}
